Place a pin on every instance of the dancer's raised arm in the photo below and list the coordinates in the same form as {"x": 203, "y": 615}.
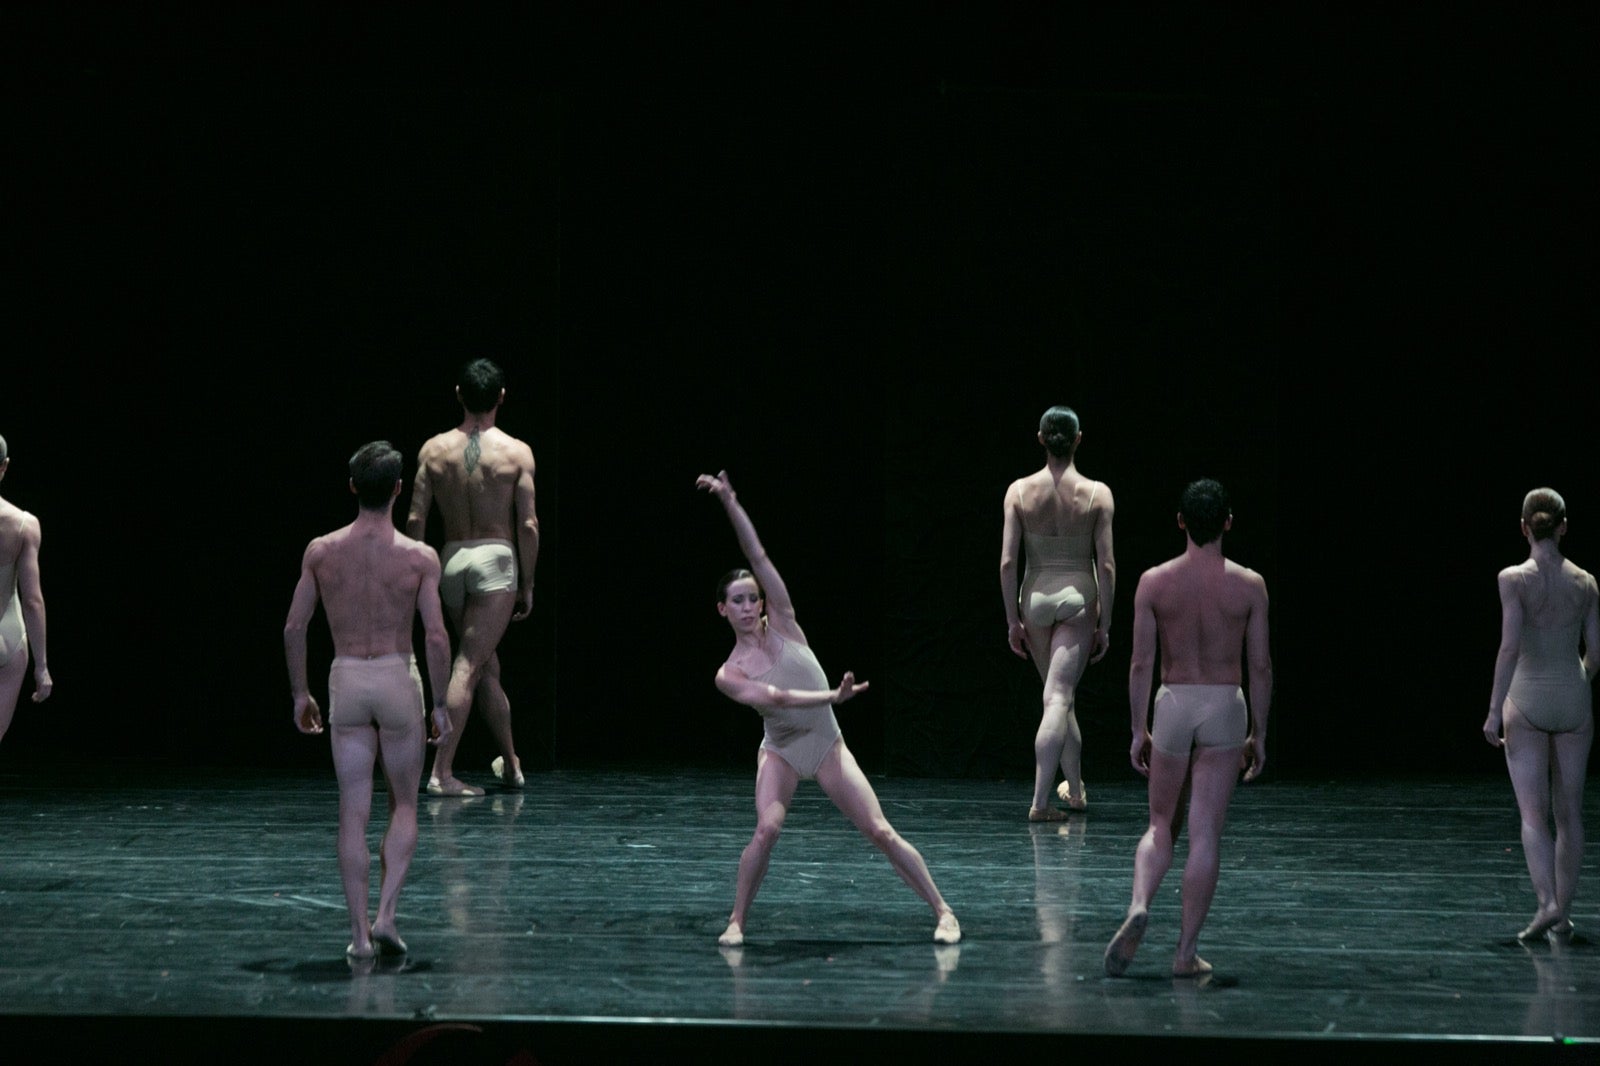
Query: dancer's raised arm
{"x": 779, "y": 607}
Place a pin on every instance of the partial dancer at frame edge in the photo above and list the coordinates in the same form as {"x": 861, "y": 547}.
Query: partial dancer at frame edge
{"x": 22, "y": 628}
{"x": 773, "y": 670}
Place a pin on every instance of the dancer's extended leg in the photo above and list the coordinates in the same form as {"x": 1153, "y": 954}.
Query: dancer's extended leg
{"x": 401, "y": 758}
{"x": 1528, "y": 761}
{"x": 1568, "y": 768}
{"x": 480, "y": 625}
{"x": 841, "y": 778}
{"x": 1152, "y": 859}
{"x": 775, "y": 785}
{"x": 1212, "y": 774}
{"x": 355, "y": 748}
{"x": 1061, "y": 652}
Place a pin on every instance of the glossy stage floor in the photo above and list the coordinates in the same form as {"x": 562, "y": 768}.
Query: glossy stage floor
{"x": 200, "y": 917}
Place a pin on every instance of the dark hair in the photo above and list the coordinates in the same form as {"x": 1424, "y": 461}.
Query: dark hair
{"x": 374, "y": 469}
{"x": 736, "y": 575}
{"x": 1544, "y": 510}
{"x": 481, "y": 383}
{"x": 1205, "y": 510}
{"x": 1060, "y": 428}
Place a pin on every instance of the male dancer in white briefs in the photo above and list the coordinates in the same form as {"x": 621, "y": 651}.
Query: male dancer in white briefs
{"x": 21, "y": 605}
{"x": 482, "y": 480}
{"x": 373, "y": 581}
{"x": 1206, "y": 613}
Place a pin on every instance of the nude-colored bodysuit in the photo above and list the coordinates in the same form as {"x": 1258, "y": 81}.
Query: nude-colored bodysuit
{"x": 800, "y": 736}
{"x": 1060, "y": 583}
{"x": 1549, "y": 686}
{"x": 13, "y": 634}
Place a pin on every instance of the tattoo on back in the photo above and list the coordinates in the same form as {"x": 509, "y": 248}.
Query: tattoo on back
{"x": 474, "y": 450}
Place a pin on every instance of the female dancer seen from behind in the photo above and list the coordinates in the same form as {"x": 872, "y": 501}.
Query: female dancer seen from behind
{"x": 1061, "y": 614}
{"x": 773, "y": 670}
{"x": 1539, "y": 709}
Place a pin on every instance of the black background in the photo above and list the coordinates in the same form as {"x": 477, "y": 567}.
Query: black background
{"x": 1344, "y": 263}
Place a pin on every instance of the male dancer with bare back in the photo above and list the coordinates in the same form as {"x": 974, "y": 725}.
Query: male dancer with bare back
{"x": 1206, "y": 613}
{"x": 482, "y": 480}
{"x": 373, "y": 581}
{"x": 21, "y": 605}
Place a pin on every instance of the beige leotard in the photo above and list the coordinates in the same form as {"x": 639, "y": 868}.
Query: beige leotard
{"x": 800, "y": 736}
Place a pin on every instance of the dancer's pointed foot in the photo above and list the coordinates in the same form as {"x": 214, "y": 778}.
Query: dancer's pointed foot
{"x": 361, "y": 951}
{"x": 1197, "y": 967}
{"x": 1562, "y": 932}
{"x": 1119, "y": 953}
{"x": 1078, "y": 803}
{"x": 948, "y": 931}
{"x": 732, "y": 936}
{"x": 451, "y": 786}
{"x": 509, "y": 780}
{"x": 1543, "y": 921}
{"x": 1046, "y": 814}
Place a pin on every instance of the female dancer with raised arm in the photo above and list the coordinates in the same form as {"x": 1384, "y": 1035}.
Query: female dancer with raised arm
{"x": 1539, "y": 709}
{"x": 1060, "y": 616}
{"x": 773, "y": 670}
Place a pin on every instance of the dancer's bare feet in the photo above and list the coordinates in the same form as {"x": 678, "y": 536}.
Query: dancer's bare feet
{"x": 1046, "y": 814}
{"x": 1081, "y": 803}
{"x": 363, "y": 949}
{"x": 1195, "y": 967}
{"x": 1544, "y": 920}
{"x": 948, "y": 931}
{"x": 732, "y": 936}
{"x": 1119, "y": 953}
{"x": 388, "y": 941}
{"x": 509, "y": 780}
{"x": 451, "y": 786}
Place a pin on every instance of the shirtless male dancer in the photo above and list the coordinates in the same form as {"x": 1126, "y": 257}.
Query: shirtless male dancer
{"x": 482, "y": 479}
{"x": 1206, "y": 613}
{"x": 372, "y": 581}
{"x": 21, "y": 605}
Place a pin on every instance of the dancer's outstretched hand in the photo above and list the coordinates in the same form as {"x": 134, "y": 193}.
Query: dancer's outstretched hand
{"x": 848, "y": 686}
{"x": 718, "y": 486}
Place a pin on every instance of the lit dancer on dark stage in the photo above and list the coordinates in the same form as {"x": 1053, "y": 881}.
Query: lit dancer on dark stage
{"x": 1540, "y": 707}
{"x": 1060, "y": 616}
{"x": 1205, "y": 613}
{"x": 373, "y": 581}
{"x": 482, "y": 479}
{"x": 773, "y": 670}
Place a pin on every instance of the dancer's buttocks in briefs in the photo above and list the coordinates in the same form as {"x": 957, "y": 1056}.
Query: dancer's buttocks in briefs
{"x": 383, "y": 691}
{"x": 1549, "y": 687}
{"x": 1198, "y": 716}
{"x": 1059, "y": 584}
{"x": 476, "y": 568}
{"x": 800, "y": 736}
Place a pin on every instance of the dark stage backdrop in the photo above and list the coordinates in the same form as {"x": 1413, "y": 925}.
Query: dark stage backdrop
{"x": 1346, "y": 267}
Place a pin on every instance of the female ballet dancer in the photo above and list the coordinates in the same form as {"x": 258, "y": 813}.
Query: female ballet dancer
{"x": 773, "y": 670}
{"x": 1061, "y": 614}
{"x": 1539, "y": 709}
